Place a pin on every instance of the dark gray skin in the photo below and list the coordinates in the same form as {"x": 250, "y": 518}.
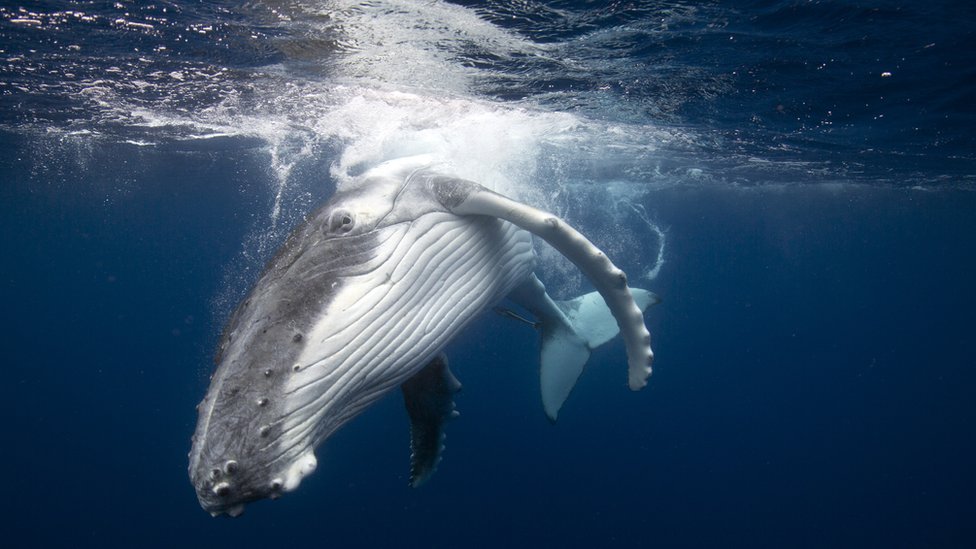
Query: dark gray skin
{"x": 259, "y": 346}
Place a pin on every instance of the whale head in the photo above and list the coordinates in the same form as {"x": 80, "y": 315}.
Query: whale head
{"x": 242, "y": 448}
{"x": 290, "y": 369}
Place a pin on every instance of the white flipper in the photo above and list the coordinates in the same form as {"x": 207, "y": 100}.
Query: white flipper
{"x": 468, "y": 198}
{"x": 569, "y": 330}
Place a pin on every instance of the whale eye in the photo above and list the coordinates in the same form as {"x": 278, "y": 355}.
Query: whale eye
{"x": 341, "y": 221}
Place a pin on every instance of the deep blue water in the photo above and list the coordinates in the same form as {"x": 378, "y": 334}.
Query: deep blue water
{"x": 811, "y": 166}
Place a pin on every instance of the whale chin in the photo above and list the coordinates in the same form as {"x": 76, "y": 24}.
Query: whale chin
{"x": 233, "y": 512}
{"x": 228, "y": 489}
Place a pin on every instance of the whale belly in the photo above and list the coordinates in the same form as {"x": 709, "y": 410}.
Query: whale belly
{"x": 386, "y": 324}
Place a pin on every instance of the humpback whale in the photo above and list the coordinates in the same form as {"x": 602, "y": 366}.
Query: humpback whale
{"x": 363, "y": 297}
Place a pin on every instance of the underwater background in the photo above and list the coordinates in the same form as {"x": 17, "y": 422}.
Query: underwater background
{"x": 795, "y": 179}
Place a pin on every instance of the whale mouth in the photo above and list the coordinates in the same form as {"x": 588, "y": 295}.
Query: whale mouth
{"x": 233, "y": 512}
{"x": 224, "y": 491}
{"x": 226, "y": 504}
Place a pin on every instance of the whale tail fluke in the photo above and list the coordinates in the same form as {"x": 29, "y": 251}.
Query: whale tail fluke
{"x": 584, "y": 324}
{"x": 562, "y": 359}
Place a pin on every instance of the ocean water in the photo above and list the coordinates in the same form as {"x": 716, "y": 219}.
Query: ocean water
{"x": 795, "y": 179}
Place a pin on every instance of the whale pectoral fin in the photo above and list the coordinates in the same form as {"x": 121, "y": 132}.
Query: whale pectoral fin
{"x": 429, "y": 398}
{"x": 462, "y": 197}
{"x": 570, "y": 330}
{"x": 566, "y": 345}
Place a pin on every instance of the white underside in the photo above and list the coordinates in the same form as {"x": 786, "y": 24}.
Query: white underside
{"x": 431, "y": 279}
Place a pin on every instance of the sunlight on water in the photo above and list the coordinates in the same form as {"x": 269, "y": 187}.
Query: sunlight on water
{"x": 383, "y": 80}
{"x": 359, "y": 83}
{"x": 401, "y": 43}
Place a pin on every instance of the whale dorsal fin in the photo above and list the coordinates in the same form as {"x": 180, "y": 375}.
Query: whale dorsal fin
{"x": 429, "y": 398}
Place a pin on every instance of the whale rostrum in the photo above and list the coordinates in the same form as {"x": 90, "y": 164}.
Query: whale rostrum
{"x": 363, "y": 297}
